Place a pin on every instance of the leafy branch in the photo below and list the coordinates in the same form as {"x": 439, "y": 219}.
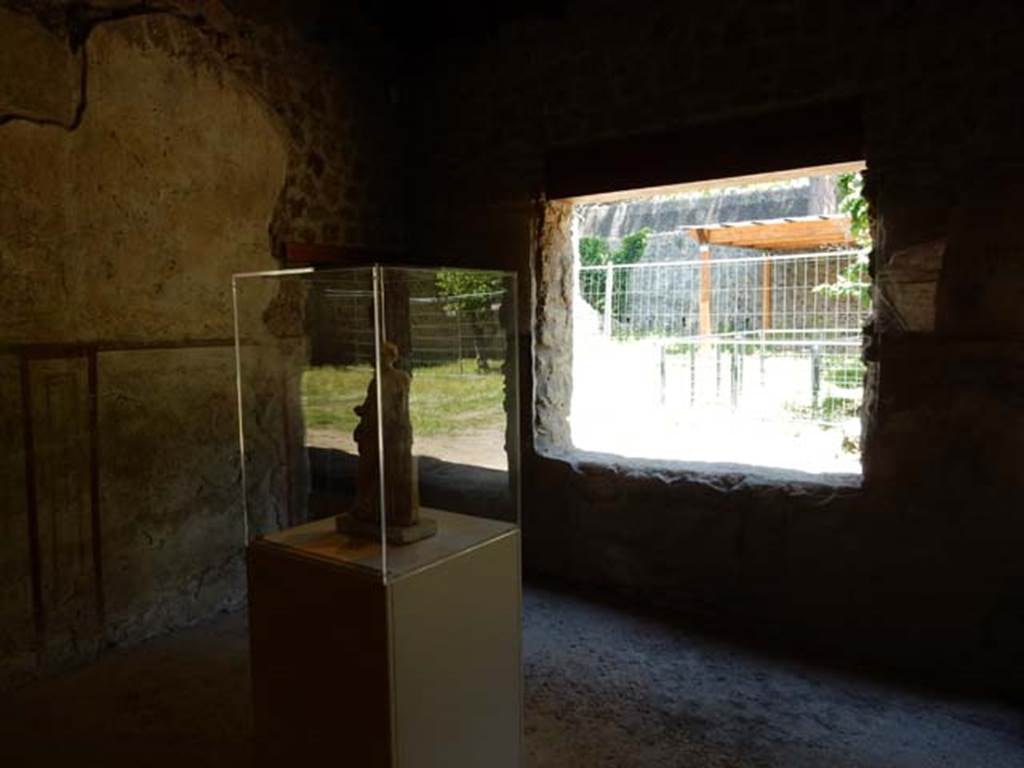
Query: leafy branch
{"x": 850, "y": 200}
{"x": 595, "y": 252}
{"x": 854, "y": 280}
{"x": 474, "y": 296}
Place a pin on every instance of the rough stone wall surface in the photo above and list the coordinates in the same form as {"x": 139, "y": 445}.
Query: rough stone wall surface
{"x": 146, "y": 155}
{"x": 915, "y": 566}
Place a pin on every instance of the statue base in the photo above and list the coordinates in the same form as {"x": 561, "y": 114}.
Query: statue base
{"x": 396, "y": 534}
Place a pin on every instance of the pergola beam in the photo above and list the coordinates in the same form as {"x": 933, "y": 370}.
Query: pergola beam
{"x": 779, "y": 234}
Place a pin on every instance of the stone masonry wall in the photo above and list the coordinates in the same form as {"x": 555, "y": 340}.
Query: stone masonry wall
{"x": 916, "y": 567}
{"x": 148, "y": 152}
{"x": 146, "y": 155}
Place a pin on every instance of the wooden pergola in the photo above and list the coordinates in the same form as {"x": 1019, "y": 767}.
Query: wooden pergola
{"x": 790, "y": 234}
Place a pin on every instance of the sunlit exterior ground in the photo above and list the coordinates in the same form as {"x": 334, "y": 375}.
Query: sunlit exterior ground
{"x": 457, "y": 412}
{"x": 712, "y": 403}
{"x": 619, "y": 407}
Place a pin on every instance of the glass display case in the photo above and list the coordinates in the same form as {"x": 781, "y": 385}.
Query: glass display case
{"x": 378, "y": 421}
{"x": 385, "y": 398}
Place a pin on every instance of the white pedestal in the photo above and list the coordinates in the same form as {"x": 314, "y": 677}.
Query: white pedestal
{"x": 421, "y": 672}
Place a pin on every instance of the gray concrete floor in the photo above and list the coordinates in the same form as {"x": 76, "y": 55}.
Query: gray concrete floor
{"x": 604, "y": 687}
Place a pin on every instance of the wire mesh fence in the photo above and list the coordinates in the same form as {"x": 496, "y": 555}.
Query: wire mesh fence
{"x": 439, "y": 330}
{"x": 775, "y": 337}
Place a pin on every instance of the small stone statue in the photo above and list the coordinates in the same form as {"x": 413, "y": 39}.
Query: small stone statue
{"x": 401, "y": 485}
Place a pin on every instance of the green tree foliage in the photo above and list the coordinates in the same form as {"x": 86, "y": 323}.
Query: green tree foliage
{"x": 632, "y": 249}
{"x": 855, "y": 279}
{"x": 595, "y": 252}
{"x": 850, "y": 200}
{"x": 468, "y": 290}
{"x": 471, "y": 296}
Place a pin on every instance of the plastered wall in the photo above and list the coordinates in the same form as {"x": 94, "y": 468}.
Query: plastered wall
{"x": 146, "y": 155}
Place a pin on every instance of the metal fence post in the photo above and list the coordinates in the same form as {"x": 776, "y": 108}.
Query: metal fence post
{"x": 815, "y": 375}
{"x": 718, "y": 370}
{"x": 609, "y": 275}
{"x": 734, "y": 377}
{"x": 693, "y": 373}
{"x": 458, "y": 334}
{"x": 661, "y": 370}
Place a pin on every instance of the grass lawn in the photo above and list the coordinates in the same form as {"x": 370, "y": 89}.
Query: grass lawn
{"x": 442, "y": 401}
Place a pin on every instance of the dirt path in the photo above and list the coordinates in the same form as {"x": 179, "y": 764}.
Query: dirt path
{"x": 478, "y": 448}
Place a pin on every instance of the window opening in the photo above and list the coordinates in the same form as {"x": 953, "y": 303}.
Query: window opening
{"x": 723, "y": 324}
